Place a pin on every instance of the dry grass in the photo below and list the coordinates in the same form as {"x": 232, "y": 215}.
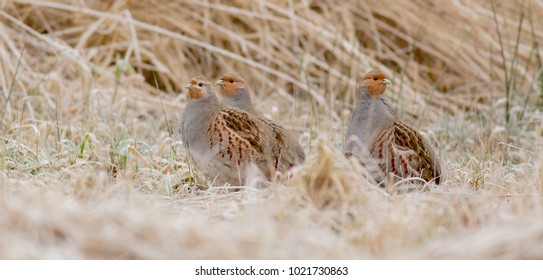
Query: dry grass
{"x": 92, "y": 167}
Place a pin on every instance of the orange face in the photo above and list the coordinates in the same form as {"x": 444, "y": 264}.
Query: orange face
{"x": 196, "y": 88}
{"x": 229, "y": 84}
{"x": 376, "y": 82}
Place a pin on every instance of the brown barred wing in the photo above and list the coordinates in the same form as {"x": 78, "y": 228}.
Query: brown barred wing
{"x": 422, "y": 158}
{"x": 236, "y": 135}
{"x": 402, "y": 151}
{"x": 286, "y": 150}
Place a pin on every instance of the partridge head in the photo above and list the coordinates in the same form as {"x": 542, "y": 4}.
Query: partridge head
{"x": 374, "y": 83}
{"x": 379, "y": 139}
{"x": 199, "y": 89}
{"x": 235, "y": 92}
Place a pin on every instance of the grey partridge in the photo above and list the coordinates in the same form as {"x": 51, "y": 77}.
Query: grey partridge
{"x": 377, "y": 137}
{"x": 222, "y": 141}
{"x": 235, "y": 92}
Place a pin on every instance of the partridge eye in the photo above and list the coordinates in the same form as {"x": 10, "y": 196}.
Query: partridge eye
{"x": 200, "y": 84}
{"x": 231, "y": 81}
{"x": 375, "y": 79}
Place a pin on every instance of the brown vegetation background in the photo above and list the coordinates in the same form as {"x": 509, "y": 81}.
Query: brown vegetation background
{"x": 92, "y": 165}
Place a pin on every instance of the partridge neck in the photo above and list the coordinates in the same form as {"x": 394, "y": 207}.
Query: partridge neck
{"x": 242, "y": 100}
{"x": 209, "y": 100}
{"x": 371, "y": 115}
{"x": 196, "y": 118}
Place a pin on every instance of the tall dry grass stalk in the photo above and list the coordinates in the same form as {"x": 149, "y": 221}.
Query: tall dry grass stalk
{"x": 92, "y": 167}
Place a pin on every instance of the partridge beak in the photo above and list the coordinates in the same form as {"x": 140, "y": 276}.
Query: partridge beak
{"x": 386, "y": 82}
{"x": 220, "y": 82}
{"x": 189, "y": 86}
